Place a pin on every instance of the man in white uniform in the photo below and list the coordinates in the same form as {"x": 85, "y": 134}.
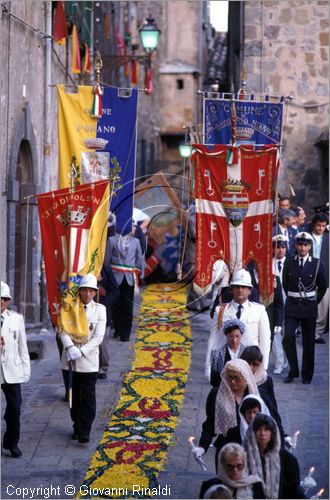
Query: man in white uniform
{"x": 15, "y": 369}
{"x": 85, "y": 361}
{"x": 252, "y": 314}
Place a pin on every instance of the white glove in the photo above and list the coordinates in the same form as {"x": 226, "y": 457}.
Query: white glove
{"x": 26, "y": 378}
{"x": 198, "y": 452}
{"x": 73, "y": 353}
{"x": 277, "y": 329}
{"x": 288, "y": 441}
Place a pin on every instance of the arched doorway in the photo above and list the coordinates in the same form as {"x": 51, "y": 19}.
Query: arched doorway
{"x": 23, "y": 254}
{"x": 23, "y": 235}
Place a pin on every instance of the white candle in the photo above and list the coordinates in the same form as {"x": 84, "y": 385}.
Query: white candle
{"x": 295, "y": 438}
{"x": 319, "y": 493}
{"x": 192, "y": 444}
{"x": 311, "y": 471}
{"x": 24, "y": 91}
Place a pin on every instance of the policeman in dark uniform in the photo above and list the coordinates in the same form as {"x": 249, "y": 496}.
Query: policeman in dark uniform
{"x": 304, "y": 283}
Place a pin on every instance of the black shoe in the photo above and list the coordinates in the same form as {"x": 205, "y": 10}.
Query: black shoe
{"x": 75, "y": 436}
{"x": 83, "y": 440}
{"x": 15, "y": 451}
{"x": 102, "y": 376}
{"x": 115, "y": 335}
{"x": 289, "y": 379}
{"x": 320, "y": 341}
{"x": 124, "y": 340}
{"x": 306, "y": 381}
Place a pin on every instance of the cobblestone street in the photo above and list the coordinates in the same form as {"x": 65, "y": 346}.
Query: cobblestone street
{"x": 51, "y": 458}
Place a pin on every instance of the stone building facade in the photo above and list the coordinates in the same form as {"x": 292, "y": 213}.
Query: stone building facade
{"x": 286, "y": 52}
{"x": 32, "y": 65}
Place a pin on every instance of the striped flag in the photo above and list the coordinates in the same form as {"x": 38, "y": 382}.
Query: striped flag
{"x": 73, "y": 231}
{"x": 234, "y": 207}
{"x": 87, "y": 59}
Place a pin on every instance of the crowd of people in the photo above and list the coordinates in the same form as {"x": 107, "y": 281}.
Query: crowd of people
{"x": 252, "y": 458}
{"x": 242, "y": 416}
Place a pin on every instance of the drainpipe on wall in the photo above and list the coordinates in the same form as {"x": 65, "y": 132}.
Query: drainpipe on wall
{"x": 47, "y": 142}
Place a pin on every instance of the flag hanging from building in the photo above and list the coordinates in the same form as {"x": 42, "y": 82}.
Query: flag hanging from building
{"x": 257, "y": 122}
{"x": 73, "y": 232}
{"x": 76, "y": 61}
{"x": 60, "y": 28}
{"x": 234, "y": 207}
{"x": 100, "y": 148}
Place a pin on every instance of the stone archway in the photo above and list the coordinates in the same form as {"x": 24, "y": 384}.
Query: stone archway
{"x": 23, "y": 254}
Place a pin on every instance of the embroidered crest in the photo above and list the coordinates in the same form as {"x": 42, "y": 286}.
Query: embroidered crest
{"x": 235, "y": 200}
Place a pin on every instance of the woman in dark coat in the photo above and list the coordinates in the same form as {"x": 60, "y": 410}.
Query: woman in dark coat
{"x": 253, "y": 356}
{"x": 222, "y": 405}
{"x": 232, "y": 473}
{"x": 278, "y": 468}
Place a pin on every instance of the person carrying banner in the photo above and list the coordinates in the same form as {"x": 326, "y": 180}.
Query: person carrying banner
{"x": 124, "y": 254}
{"x": 15, "y": 369}
{"x": 304, "y": 283}
{"x": 84, "y": 360}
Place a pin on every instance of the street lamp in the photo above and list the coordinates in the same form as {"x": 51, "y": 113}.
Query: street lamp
{"x": 149, "y": 34}
{"x": 185, "y": 150}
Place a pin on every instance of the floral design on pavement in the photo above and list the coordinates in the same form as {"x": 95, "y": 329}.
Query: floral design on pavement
{"x": 134, "y": 446}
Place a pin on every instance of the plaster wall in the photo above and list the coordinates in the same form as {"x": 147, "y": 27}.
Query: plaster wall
{"x": 287, "y": 53}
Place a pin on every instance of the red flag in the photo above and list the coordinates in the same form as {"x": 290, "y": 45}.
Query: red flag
{"x": 120, "y": 43}
{"x": 76, "y": 63}
{"x": 106, "y": 24}
{"x": 60, "y": 29}
{"x": 73, "y": 232}
{"x": 87, "y": 59}
{"x": 149, "y": 87}
{"x": 234, "y": 207}
{"x": 134, "y": 72}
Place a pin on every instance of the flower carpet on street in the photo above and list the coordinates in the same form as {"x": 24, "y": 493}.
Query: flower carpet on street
{"x": 134, "y": 445}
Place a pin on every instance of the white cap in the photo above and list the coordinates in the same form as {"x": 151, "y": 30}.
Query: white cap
{"x": 303, "y": 236}
{"x": 242, "y": 278}
{"x": 279, "y": 237}
{"x": 5, "y": 291}
{"x": 88, "y": 281}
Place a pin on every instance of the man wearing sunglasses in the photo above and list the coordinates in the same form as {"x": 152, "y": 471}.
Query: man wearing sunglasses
{"x": 304, "y": 283}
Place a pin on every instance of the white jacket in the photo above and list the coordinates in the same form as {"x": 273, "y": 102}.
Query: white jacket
{"x": 15, "y": 359}
{"x": 257, "y": 330}
{"x": 89, "y": 361}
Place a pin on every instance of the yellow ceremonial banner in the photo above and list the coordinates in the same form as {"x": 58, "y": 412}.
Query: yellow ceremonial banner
{"x": 75, "y": 126}
{"x": 73, "y": 320}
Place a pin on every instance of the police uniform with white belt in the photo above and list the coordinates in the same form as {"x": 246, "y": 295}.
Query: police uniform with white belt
{"x": 304, "y": 283}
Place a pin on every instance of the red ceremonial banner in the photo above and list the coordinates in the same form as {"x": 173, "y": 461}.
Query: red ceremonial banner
{"x": 73, "y": 233}
{"x": 234, "y": 208}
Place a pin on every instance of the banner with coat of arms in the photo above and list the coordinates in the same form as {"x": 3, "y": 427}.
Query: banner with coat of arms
{"x": 234, "y": 207}
{"x": 257, "y": 122}
{"x": 100, "y": 148}
{"x": 73, "y": 232}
